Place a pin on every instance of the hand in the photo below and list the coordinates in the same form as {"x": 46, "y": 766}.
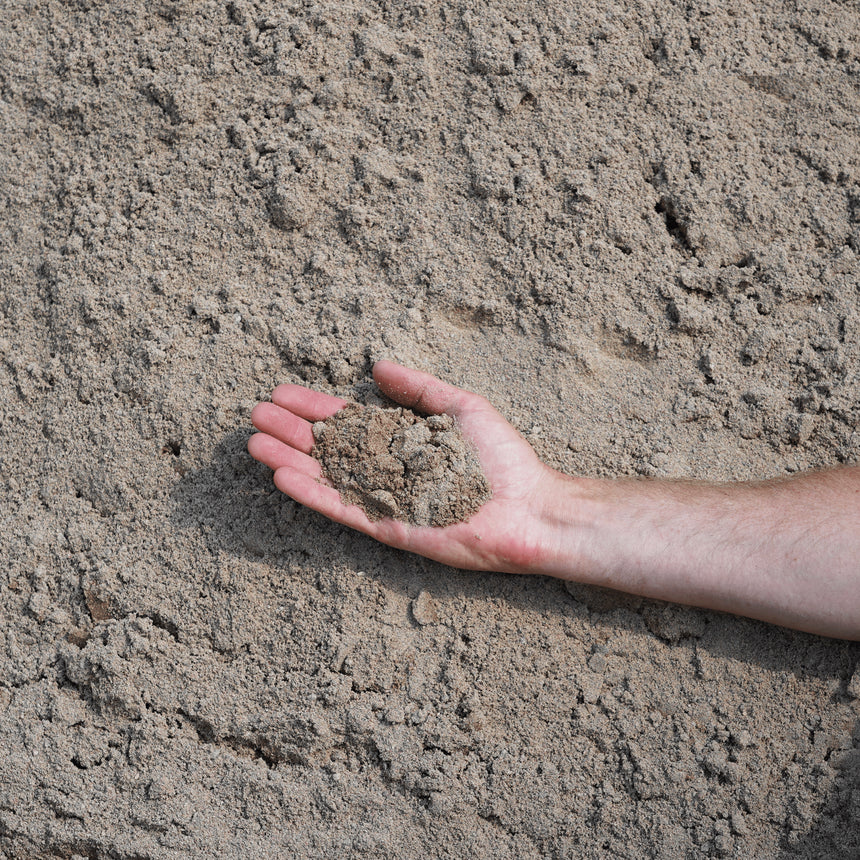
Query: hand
{"x": 784, "y": 551}
{"x": 506, "y": 534}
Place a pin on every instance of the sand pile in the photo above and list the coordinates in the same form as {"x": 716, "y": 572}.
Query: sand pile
{"x": 634, "y": 227}
{"x": 395, "y": 463}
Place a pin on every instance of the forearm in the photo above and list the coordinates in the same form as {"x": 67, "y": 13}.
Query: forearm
{"x": 785, "y": 551}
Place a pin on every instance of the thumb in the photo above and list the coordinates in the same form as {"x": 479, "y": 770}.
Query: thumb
{"x": 419, "y": 390}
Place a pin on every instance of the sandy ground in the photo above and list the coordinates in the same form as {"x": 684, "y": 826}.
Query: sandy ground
{"x": 634, "y": 226}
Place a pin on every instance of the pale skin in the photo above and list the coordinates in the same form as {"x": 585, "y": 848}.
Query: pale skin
{"x": 786, "y": 551}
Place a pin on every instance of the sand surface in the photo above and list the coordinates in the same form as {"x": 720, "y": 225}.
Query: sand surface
{"x": 634, "y": 227}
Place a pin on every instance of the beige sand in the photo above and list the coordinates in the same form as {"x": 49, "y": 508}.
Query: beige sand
{"x": 634, "y": 227}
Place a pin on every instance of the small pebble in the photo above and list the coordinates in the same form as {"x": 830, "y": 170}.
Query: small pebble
{"x": 424, "y": 609}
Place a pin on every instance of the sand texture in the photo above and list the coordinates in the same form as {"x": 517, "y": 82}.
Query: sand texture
{"x": 634, "y": 227}
{"x": 395, "y": 463}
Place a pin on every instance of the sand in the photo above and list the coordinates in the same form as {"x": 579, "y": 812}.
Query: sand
{"x": 395, "y": 463}
{"x": 634, "y": 228}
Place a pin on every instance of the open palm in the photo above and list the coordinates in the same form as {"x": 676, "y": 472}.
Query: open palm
{"x": 505, "y": 534}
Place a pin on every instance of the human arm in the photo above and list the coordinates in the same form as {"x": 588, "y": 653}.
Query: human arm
{"x": 785, "y": 551}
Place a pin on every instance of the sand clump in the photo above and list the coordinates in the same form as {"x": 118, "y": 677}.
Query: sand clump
{"x": 395, "y": 463}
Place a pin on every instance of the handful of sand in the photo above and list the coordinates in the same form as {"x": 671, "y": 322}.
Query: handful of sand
{"x": 396, "y": 463}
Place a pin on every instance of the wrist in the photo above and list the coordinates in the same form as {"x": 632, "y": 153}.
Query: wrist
{"x": 571, "y": 511}
{"x": 621, "y": 534}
